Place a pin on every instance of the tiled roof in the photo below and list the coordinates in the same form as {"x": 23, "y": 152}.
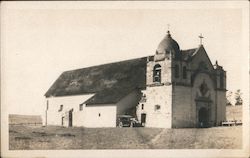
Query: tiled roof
{"x": 107, "y": 96}
{"x": 188, "y": 54}
{"x": 129, "y": 74}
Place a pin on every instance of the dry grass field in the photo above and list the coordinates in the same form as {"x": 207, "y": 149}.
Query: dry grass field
{"x": 52, "y": 137}
{"x": 15, "y": 119}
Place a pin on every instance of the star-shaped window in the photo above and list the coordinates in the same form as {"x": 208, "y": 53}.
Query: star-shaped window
{"x": 203, "y": 88}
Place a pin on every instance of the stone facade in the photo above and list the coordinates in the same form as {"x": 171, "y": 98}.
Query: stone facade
{"x": 190, "y": 92}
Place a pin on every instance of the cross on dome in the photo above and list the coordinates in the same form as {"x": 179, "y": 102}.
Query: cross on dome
{"x": 200, "y": 38}
{"x": 168, "y": 32}
{"x": 168, "y": 27}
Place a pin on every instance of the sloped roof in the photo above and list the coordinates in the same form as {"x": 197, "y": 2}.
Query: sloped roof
{"x": 202, "y": 49}
{"x": 129, "y": 74}
{"x": 188, "y": 54}
{"x": 105, "y": 80}
{"x": 107, "y": 96}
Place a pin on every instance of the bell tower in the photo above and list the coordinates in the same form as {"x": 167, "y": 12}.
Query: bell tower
{"x": 157, "y": 106}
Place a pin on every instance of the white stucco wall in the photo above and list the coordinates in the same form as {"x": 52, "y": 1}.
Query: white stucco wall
{"x": 79, "y": 117}
{"x": 139, "y": 109}
{"x": 89, "y": 115}
{"x": 108, "y": 112}
{"x": 107, "y": 117}
{"x": 54, "y": 117}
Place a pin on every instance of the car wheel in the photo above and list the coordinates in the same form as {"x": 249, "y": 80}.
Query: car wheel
{"x": 131, "y": 124}
{"x": 120, "y": 125}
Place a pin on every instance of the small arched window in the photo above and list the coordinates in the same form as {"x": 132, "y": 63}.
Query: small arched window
{"x": 80, "y": 107}
{"x": 61, "y": 108}
{"x": 157, "y": 73}
{"x": 184, "y": 72}
{"x": 176, "y": 71}
{"x": 157, "y": 107}
{"x": 221, "y": 80}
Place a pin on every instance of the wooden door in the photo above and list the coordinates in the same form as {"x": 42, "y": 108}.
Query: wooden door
{"x": 143, "y": 119}
{"x": 70, "y": 118}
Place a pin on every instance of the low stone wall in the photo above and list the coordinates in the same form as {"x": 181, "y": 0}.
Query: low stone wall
{"x": 233, "y": 113}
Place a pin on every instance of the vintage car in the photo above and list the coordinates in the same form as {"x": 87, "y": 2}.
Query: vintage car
{"x": 126, "y": 121}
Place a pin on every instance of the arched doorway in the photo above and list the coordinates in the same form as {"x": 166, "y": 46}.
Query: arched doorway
{"x": 143, "y": 119}
{"x": 203, "y": 117}
{"x": 71, "y": 118}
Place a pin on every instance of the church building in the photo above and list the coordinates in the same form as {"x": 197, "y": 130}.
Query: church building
{"x": 173, "y": 88}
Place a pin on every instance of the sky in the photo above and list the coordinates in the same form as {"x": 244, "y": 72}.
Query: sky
{"x": 39, "y": 43}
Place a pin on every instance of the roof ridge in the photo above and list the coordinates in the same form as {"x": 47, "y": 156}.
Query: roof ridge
{"x": 90, "y": 101}
{"x": 104, "y": 64}
{"x": 89, "y": 80}
{"x": 190, "y": 49}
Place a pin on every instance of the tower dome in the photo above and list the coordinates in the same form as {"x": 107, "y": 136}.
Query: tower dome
{"x": 167, "y": 45}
